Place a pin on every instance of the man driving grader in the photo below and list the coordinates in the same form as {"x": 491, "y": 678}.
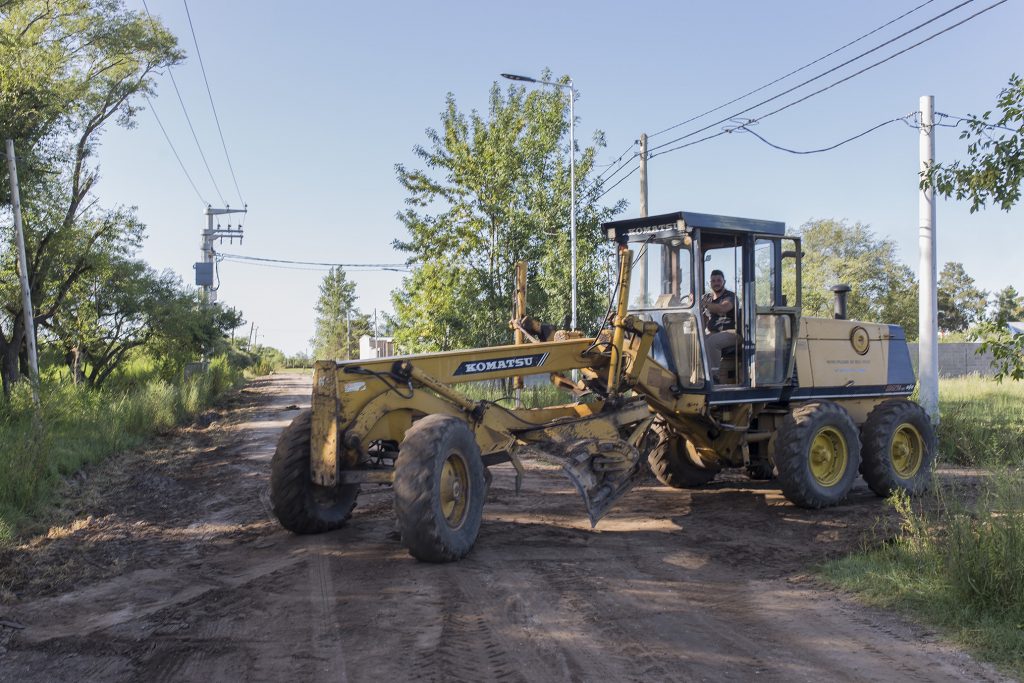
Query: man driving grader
{"x": 814, "y": 402}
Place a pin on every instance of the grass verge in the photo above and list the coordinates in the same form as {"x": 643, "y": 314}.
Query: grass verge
{"x": 958, "y": 560}
{"x": 74, "y": 426}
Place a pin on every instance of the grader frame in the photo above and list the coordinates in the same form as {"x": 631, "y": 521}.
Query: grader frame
{"x": 405, "y": 421}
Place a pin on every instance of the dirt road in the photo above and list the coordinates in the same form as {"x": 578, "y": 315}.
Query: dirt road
{"x": 172, "y": 569}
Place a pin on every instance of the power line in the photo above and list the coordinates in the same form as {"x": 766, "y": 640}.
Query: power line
{"x": 970, "y": 119}
{"x": 189, "y": 120}
{"x": 616, "y": 183}
{"x": 822, "y": 149}
{"x": 828, "y": 87}
{"x": 176, "y": 156}
{"x": 836, "y": 68}
{"x": 240, "y": 257}
{"x": 792, "y": 73}
{"x": 626, "y": 151}
{"x": 216, "y": 118}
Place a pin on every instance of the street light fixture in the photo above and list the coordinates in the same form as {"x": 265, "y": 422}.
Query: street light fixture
{"x": 572, "y": 175}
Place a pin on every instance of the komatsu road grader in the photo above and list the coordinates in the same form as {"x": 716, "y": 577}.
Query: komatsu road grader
{"x": 812, "y": 402}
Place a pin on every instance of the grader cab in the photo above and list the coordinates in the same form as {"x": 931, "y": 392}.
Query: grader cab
{"x": 812, "y": 402}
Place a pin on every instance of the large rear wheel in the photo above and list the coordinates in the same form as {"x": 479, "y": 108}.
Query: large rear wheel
{"x": 817, "y": 454}
{"x": 898, "y": 448}
{"x": 439, "y": 489}
{"x": 300, "y": 505}
{"x": 675, "y": 462}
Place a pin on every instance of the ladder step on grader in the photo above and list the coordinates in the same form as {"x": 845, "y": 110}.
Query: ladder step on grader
{"x": 812, "y": 402}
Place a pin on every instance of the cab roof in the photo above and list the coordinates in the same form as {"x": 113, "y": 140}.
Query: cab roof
{"x": 620, "y": 230}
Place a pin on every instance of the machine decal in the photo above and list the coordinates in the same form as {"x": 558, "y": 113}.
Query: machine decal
{"x": 475, "y": 367}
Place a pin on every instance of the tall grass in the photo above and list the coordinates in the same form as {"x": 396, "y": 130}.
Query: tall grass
{"x": 982, "y": 421}
{"x": 74, "y": 425}
{"x": 958, "y": 559}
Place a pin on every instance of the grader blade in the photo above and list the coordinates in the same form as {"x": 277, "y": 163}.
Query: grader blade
{"x": 602, "y": 472}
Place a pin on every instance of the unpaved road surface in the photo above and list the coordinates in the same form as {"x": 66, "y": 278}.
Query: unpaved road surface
{"x": 170, "y": 568}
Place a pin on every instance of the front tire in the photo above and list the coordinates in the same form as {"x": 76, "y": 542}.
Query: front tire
{"x": 439, "y": 489}
{"x": 674, "y": 461}
{"x": 300, "y": 505}
{"x": 817, "y": 454}
{"x": 899, "y": 448}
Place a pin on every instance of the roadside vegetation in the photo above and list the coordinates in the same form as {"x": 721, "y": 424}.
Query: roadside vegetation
{"x": 957, "y": 560}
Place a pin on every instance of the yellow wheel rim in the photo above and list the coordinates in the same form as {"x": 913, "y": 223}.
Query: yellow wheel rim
{"x": 906, "y": 450}
{"x": 828, "y": 456}
{"x": 454, "y": 490}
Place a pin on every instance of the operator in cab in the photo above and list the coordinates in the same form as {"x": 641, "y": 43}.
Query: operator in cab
{"x": 719, "y": 306}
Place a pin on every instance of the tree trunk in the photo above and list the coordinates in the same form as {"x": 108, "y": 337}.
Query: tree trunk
{"x": 9, "y": 355}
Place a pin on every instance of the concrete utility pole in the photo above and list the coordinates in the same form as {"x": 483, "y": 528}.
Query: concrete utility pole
{"x": 26, "y": 293}
{"x": 572, "y": 175}
{"x": 205, "y": 268}
{"x": 644, "y": 267}
{"x": 928, "y": 312}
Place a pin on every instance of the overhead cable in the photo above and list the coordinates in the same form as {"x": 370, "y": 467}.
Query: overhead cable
{"x": 240, "y": 257}
{"x": 828, "y": 87}
{"x": 216, "y": 118}
{"x": 188, "y": 119}
{"x": 836, "y": 68}
{"x": 791, "y": 73}
{"x": 176, "y": 156}
{"x": 744, "y": 127}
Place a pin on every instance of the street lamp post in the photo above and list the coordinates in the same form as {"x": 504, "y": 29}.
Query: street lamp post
{"x": 572, "y": 176}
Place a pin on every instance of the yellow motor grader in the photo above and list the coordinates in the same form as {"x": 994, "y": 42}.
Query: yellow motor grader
{"x": 812, "y": 402}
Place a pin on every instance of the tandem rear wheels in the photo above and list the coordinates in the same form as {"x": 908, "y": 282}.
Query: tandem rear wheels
{"x": 439, "y": 489}
{"x": 819, "y": 451}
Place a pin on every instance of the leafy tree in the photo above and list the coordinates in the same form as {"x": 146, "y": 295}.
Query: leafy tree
{"x": 996, "y": 163}
{"x": 961, "y": 304}
{"x": 1008, "y": 306}
{"x": 494, "y": 190}
{"x": 339, "y": 324}
{"x": 884, "y": 288}
{"x": 67, "y": 69}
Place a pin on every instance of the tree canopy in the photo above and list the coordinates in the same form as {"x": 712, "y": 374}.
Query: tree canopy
{"x": 339, "y": 324}
{"x": 961, "y": 304}
{"x": 494, "y": 190}
{"x": 67, "y": 69}
{"x": 995, "y": 166}
{"x": 884, "y": 288}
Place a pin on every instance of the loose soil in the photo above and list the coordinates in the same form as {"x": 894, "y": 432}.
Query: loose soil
{"x": 168, "y": 566}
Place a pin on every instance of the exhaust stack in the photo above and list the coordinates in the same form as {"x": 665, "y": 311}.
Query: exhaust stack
{"x": 840, "y": 291}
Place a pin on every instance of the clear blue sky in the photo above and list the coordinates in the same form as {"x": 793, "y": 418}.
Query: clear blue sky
{"x": 319, "y": 101}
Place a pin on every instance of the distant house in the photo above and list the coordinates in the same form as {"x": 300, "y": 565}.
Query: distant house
{"x": 1016, "y": 327}
{"x": 376, "y": 347}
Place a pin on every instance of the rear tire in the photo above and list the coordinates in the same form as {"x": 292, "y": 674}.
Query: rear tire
{"x": 675, "y": 463}
{"x": 898, "y": 448}
{"x": 300, "y": 505}
{"x": 817, "y": 454}
{"x": 439, "y": 489}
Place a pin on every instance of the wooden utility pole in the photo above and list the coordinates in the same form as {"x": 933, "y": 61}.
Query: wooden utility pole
{"x": 517, "y": 382}
{"x": 644, "y": 266}
{"x": 26, "y": 293}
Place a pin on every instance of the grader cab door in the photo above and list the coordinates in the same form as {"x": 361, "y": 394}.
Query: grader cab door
{"x": 775, "y": 308}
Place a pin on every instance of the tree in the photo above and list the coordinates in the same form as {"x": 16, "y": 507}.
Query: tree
{"x": 1008, "y": 306}
{"x": 67, "y": 69}
{"x": 494, "y": 190}
{"x": 339, "y": 324}
{"x": 884, "y": 288}
{"x": 961, "y": 304}
{"x": 996, "y": 163}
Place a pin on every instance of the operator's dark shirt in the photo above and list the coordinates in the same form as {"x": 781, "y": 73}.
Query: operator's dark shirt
{"x": 723, "y": 321}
